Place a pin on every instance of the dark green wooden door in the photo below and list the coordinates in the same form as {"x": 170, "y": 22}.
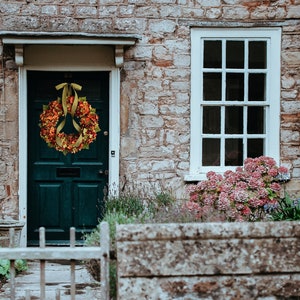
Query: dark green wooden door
{"x": 65, "y": 190}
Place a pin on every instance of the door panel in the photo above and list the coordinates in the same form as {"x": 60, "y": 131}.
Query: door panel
{"x": 48, "y": 209}
{"x": 84, "y": 206}
{"x": 65, "y": 190}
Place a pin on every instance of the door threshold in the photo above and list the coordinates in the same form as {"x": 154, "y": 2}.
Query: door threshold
{"x": 55, "y": 243}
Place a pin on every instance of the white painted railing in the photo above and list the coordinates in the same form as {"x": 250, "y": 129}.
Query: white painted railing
{"x": 71, "y": 254}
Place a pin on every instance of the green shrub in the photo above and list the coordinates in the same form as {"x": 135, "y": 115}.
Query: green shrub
{"x": 4, "y": 268}
{"x": 127, "y": 208}
{"x": 112, "y": 218}
{"x": 138, "y": 206}
{"x": 20, "y": 266}
{"x": 287, "y": 209}
{"x": 160, "y": 201}
{"x": 174, "y": 213}
{"x": 164, "y": 199}
{"x": 93, "y": 239}
{"x": 126, "y": 204}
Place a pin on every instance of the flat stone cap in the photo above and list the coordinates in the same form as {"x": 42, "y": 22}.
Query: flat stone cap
{"x": 191, "y": 231}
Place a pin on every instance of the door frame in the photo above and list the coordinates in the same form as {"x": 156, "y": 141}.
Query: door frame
{"x": 114, "y": 131}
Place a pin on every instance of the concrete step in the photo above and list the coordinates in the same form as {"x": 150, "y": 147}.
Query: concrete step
{"x": 57, "y": 276}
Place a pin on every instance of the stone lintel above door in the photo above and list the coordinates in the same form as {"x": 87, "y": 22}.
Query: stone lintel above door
{"x": 22, "y": 39}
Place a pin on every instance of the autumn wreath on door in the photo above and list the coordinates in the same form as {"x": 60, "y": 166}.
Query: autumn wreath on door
{"x": 83, "y": 117}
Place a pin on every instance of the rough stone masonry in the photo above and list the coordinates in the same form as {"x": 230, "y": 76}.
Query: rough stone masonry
{"x": 258, "y": 260}
{"x": 155, "y": 79}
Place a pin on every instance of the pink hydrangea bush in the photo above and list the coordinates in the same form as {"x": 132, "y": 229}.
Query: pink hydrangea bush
{"x": 239, "y": 195}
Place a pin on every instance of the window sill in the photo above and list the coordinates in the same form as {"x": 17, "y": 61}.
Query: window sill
{"x": 195, "y": 177}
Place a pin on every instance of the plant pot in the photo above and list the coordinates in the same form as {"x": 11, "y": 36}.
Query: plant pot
{"x": 5, "y": 226}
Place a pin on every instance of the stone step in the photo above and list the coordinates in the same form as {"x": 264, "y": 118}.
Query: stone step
{"x": 57, "y": 278}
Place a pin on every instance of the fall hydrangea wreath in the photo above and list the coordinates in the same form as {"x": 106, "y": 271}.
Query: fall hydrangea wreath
{"x": 84, "y": 120}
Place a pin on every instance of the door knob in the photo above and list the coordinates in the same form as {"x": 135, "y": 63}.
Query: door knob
{"x": 103, "y": 172}
{"x": 105, "y": 132}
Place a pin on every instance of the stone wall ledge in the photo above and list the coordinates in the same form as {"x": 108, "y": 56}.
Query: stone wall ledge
{"x": 258, "y": 260}
{"x": 61, "y": 34}
{"x": 276, "y": 287}
{"x": 191, "y": 231}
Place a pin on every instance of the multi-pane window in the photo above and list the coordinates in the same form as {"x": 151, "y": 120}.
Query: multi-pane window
{"x": 234, "y": 98}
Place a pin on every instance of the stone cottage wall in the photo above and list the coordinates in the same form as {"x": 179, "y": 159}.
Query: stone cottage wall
{"x": 155, "y": 79}
{"x": 208, "y": 261}
{"x": 9, "y": 137}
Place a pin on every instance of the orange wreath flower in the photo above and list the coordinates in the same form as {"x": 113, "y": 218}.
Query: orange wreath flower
{"x": 80, "y": 110}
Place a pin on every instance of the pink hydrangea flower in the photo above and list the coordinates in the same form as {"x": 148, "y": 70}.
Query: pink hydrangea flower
{"x": 238, "y": 195}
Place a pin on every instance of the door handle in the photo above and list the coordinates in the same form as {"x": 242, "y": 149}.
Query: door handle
{"x": 101, "y": 172}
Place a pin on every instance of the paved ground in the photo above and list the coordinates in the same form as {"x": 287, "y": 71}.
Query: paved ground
{"x": 57, "y": 282}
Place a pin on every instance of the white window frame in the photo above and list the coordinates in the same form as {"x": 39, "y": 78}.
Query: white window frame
{"x": 272, "y": 142}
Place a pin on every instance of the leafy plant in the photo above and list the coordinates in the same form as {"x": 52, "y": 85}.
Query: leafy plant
{"x": 112, "y": 218}
{"x": 126, "y": 204}
{"x": 93, "y": 239}
{"x": 287, "y": 209}
{"x": 113, "y": 279}
{"x": 4, "y": 268}
{"x": 20, "y": 266}
{"x": 173, "y": 213}
{"x": 125, "y": 209}
{"x": 159, "y": 202}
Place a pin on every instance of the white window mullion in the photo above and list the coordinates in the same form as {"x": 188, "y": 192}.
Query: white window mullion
{"x": 223, "y": 100}
{"x": 223, "y": 97}
{"x": 199, "y": 107}
{"x": 196, "y": 96}
{"x": 222, "y": 137}
{"x": 246, "y": 72}
{"x": 245, "y": 135}
{"x": 246, "y": 91}
{"x": 269, "y": 110}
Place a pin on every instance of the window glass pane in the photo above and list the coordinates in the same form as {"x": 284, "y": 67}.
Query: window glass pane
{"x": 211, "y": 119}
{"x": 235, "y": 54}
{"x": 257, "y": 83}
{"x": 212, "y": 54}
{"x": 256, "y": 119}
{"x": 233, "y": 120}
{"x": 212, "y": 86}
{"x": 235, "y": 87}
{"x": 233, "y": 152}
{"x": 255, "y": 147}
{"x": 257, "y": 55}
{"x": 211, "y": 152}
